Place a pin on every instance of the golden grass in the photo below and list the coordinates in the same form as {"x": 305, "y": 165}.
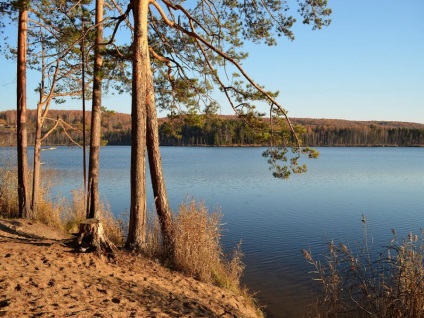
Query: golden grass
{"x": 8, "y": 190}
{"x": 74, "y": 213}
{"x": 359, "y": 282}
{"x": 60, "y": 213}
{"x": 198, "y": 249}
{"x": 200, "y": 254}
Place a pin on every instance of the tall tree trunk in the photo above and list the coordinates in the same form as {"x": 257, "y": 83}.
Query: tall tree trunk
{"x": 93, "y": 170}
{"x": 155, "y": 164}
{"x": 37, "y": 159}
{"x": 84, "y": 140}
{"x": 137, "y": 226}
{"x": 37, "y": 140}
{"x": 21, "y": 114}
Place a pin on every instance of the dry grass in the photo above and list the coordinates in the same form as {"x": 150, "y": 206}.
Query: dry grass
{"x": 48, "y": 212}
{"x": 198, "y": 249}
{"x": 8, "y": 190}
{"x": 60, "y": 213}
{"x": 357, "y": 282}
{"x": 74, "y": 213}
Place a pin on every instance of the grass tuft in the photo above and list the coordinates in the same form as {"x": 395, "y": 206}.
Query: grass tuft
{"x": 198, "y": 249}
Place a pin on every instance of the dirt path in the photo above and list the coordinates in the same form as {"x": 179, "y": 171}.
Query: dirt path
{"x": 41, "y": 277}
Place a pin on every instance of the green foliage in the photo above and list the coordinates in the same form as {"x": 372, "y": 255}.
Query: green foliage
{"x": 103, "y": 142}
{"x": 58, "y": 27}
{"x": 278, "y": 157}
{"x": 315, "y": 12}
{"x": 200, "y": 45}
{"x": 107, "y": 111}
{"x": 19, "y": 5}
{"x": 212, "y": 130}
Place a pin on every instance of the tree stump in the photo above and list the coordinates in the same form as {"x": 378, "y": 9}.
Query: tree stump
{"x": 91, "y": 237}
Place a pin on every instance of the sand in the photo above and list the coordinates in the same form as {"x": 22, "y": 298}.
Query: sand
{"x": 40, "y": 276}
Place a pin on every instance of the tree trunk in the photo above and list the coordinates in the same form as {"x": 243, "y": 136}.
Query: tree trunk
{"x": 37, "y": 140}
{"x": 155, "y": 164}
{"x": 21, "y": 114}
{"x": 137, "y": 226}
{"x": 93, "y": 170}
{"x": 37, "y": 160}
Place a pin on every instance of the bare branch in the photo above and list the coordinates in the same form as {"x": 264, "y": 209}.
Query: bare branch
{"x": 51, "y": 129}
{"x": 122, "y": 13}
{"x": 62, "y": 124}
{"x": 121, "y": 18}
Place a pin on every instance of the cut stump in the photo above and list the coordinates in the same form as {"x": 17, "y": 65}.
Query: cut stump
{"x": 91, "y": 237}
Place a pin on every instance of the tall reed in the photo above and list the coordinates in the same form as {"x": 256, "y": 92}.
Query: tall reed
{"x": 358, "y": 282}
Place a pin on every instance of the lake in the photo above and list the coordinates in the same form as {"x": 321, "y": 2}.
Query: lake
{"x": 273, "y": 218}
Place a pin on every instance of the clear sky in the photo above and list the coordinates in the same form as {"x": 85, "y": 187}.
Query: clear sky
{"x": 367, "y": 65}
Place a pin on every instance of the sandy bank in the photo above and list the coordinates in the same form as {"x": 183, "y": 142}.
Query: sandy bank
{"x": 41, "y": 277}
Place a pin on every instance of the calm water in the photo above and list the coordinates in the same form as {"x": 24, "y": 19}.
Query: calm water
{"x": 275, "y": 218}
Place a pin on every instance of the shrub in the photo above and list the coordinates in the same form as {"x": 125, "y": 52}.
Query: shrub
{"x": 366, "y": 284}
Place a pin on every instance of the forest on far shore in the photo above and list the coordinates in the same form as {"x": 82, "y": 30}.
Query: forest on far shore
{"x": 220, "y": 130}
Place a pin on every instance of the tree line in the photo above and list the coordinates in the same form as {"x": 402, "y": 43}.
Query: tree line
{"x": 221, "y": 130}
{"x": 230, "y": 131}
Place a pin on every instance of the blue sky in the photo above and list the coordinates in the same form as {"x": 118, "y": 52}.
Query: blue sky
{"x": 367, "y": 65}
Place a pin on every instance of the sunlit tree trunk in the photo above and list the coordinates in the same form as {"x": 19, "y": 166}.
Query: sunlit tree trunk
{"x": 93, "y": 169}
{"x": 137, "y": 226}
{"x": 156, "y": 173}
{"x": 37, "y": 140}
{"x": 37, "y": 158}
{"x": 21, "y": 114}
